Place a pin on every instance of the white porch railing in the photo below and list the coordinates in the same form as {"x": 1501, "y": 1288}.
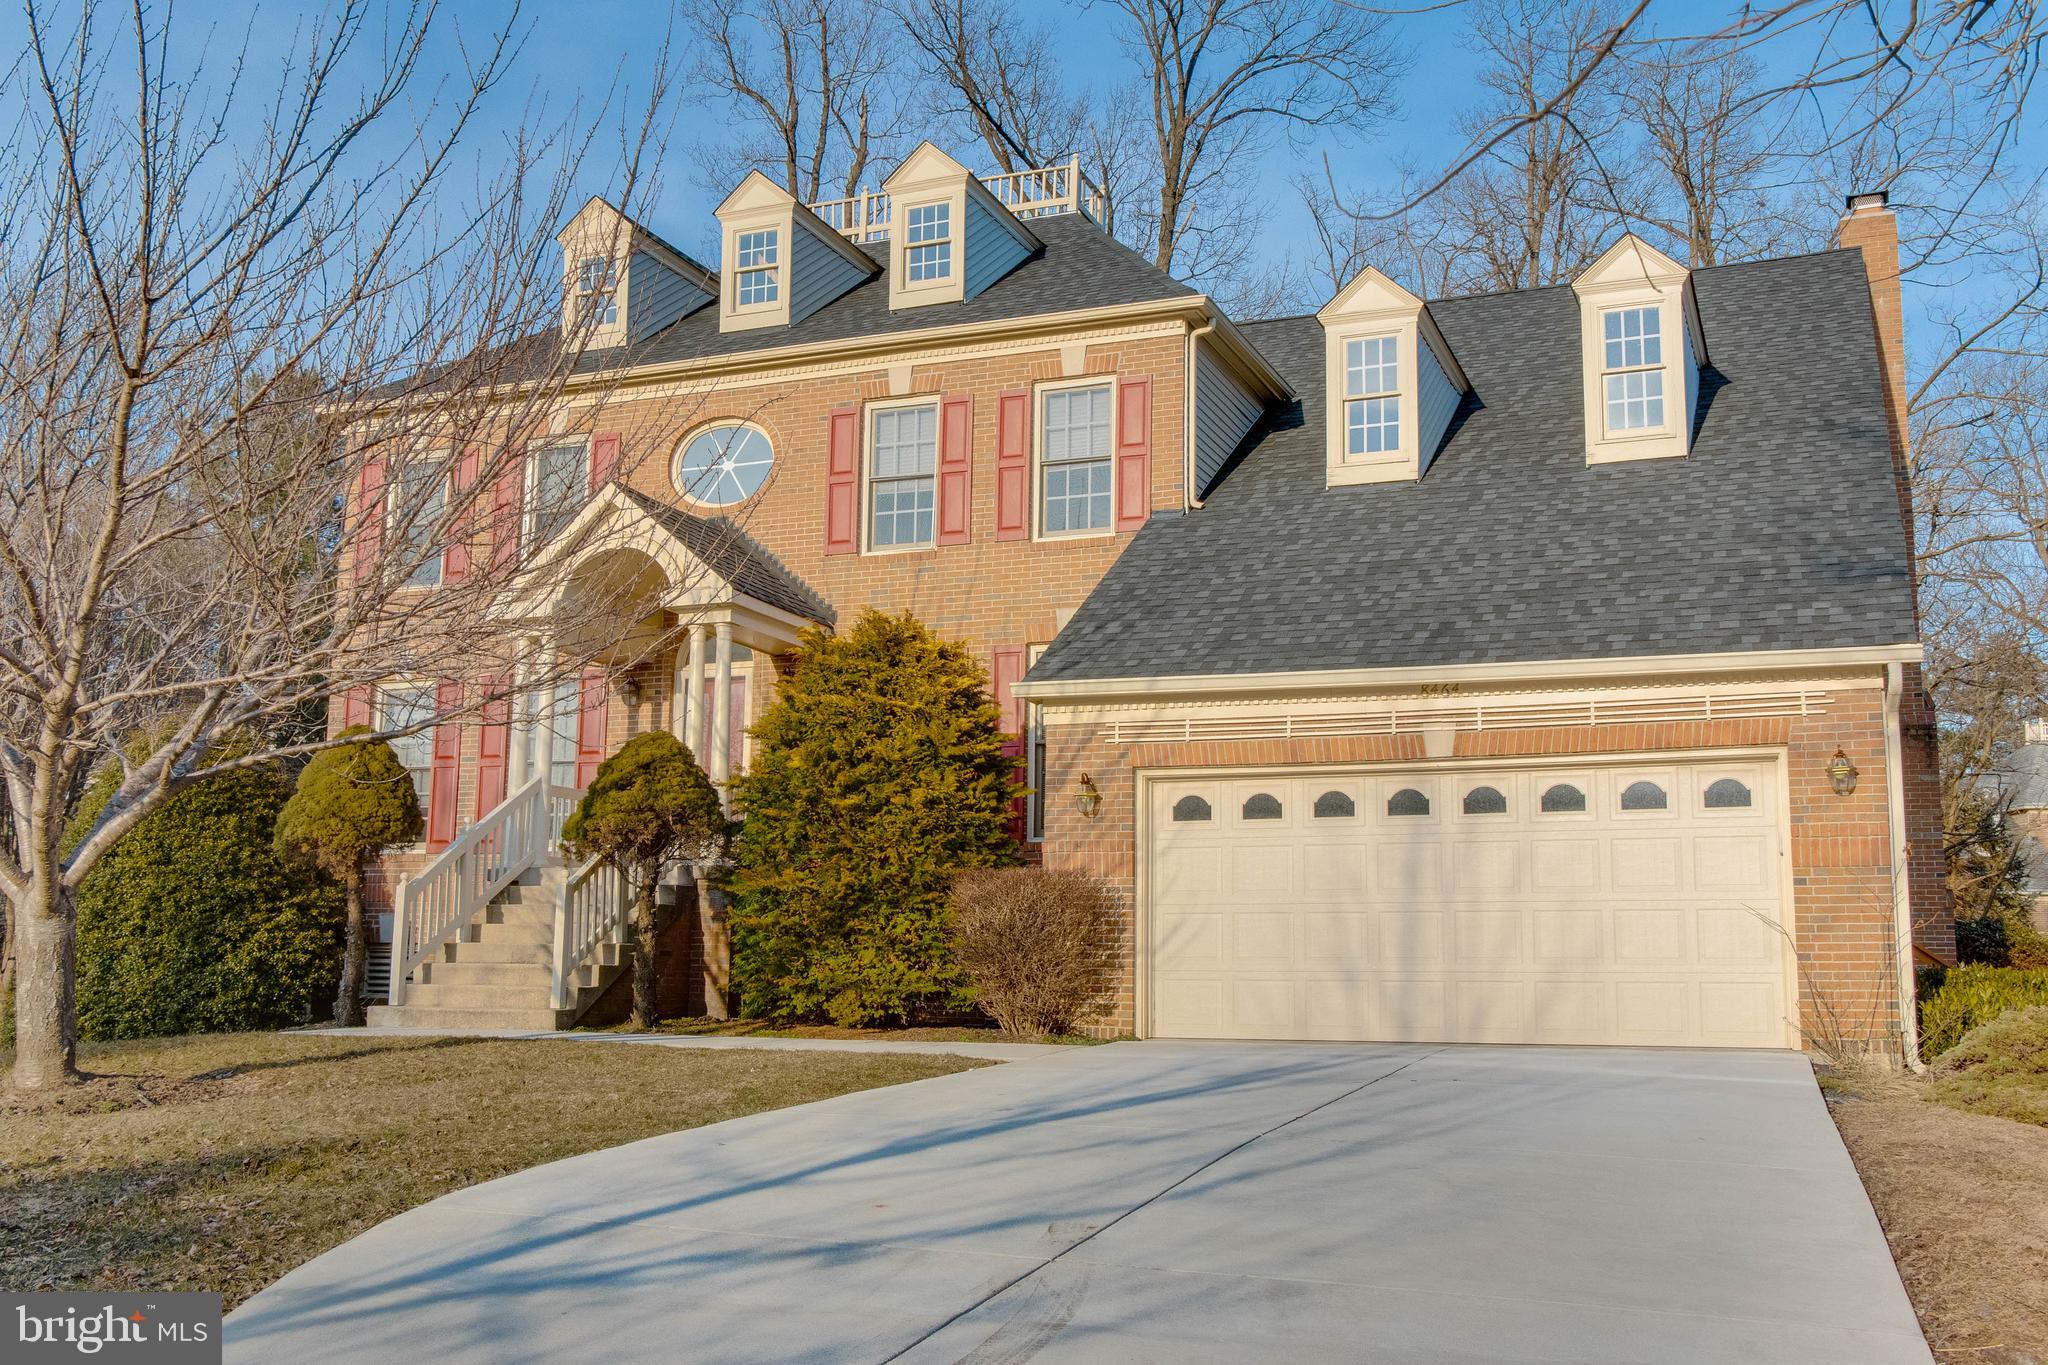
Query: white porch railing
{"x": 436, "y": 904}
{"x": 1060, "y": 188}
{"x": 591, "y": 912}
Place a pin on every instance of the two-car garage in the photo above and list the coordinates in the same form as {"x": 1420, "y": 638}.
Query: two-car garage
{"x": 1625, "y": 904}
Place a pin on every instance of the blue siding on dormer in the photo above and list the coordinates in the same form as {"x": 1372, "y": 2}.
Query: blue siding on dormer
{"x": 992, "y": 250}
{"x": 818, "y": 274}
{"x": 656, "y": 296}
{"x": 1437, "y": 400}
{"x": 1225, "y": 413}
{"x": 1692, "y": 380}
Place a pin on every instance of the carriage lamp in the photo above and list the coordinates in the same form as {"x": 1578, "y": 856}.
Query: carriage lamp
{"x": 1087, "y": 800}
{"x": 1841, "y": 774}
{"x": 629, "y": 689}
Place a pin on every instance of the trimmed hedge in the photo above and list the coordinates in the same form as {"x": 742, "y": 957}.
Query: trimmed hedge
{"x": 1971, "y": 995}
{"x": 193, "y": 923}
{"x": 1999, "y": 1068}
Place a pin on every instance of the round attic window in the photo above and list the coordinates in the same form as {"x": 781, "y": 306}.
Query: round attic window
{"x": 723, "y": 465}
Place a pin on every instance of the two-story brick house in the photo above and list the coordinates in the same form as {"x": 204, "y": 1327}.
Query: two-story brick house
{"x": 1534, "y": 667}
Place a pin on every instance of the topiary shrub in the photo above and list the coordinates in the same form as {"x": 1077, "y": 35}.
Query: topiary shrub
{"x": 1973, "y": 995}
{"x": 1038, "y": 946}
{"x": 650, "y": 804}
{"x": 193, "y": 923}
{"x": 353, "y": 802}
{"x": 878, "y": 776}
{"x": 1999, "y": 1068}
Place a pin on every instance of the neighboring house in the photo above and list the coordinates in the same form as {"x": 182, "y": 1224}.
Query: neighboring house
{"x": 1463, "y": 670}
{"x": 2023, "y": 788}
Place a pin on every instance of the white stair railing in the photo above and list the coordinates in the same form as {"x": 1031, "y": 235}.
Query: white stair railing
{"x": 437, "y": 903}
{"x": 591, "y": 911}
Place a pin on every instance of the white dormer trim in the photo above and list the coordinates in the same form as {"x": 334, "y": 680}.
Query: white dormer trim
{"x": 760, "y": 206}
{"x": 600, "y": 233}
{"x": 932, "y": 181}
{"x": 1369, "y": 312}
{"x": 1641, "y": 292}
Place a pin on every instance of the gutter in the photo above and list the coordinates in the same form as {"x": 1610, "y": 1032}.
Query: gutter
{"x": 1895, "y": 821}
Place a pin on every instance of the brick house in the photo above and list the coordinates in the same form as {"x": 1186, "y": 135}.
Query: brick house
{"x": 1539, "y": 666}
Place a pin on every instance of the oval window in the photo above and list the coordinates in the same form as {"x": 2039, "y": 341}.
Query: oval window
{"x": 1335, "y": 806}
{"x": 1407, "y": 801}
{"x": 1262, "y": 807}
{"x": 723, "y": 465}
{"x": 1190, "y": 808}
{"x": 1563, "y": 799}
{"x": 1485, "y": 801}
{"x": 1643, "y": 796}
{"x": 1727, "y": 794}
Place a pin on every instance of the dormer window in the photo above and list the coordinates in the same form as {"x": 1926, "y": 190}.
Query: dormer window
{"x": 597, "y": 300}
{"x": 1641, "y": 352}
{"x": 757, "y": 260}
{"x": 1632, "y": 375}
{"x": 1372, "y": 395}
{"x": 928, "y": 253}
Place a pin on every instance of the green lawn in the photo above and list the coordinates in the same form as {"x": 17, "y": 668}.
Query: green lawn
{"x": 220, "y": 1162}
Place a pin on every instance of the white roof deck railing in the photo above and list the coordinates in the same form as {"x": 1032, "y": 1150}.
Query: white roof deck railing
{"x": 1059, "y": 188}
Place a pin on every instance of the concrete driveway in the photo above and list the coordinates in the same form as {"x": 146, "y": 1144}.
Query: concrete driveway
{"x": 1162, "y": 1201}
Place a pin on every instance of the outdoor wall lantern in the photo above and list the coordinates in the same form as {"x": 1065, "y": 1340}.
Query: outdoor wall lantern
{"x": 1841, "y": 774}
{"x": 1087, "y": 800}
{"x": 629, "y": 690}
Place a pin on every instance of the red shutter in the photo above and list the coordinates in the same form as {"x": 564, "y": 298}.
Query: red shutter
{"x": 1013, "y": 465}
{"x": 355, "y": 708}
{"x": 369, "y": 528}
{"x": 956, "y": 471}
{"x": 493, "y": 744}
{"x": 604, "y": 459}
{"x": 590, "y": 726}
{"x": 461, "y": 526}
{"x": 1133, "y": 453}
{"x": 505, "y": 507}
{"x": 842, "y": 482}
{"x": 1006, "y": 671}
{"x": 446, "y": 780}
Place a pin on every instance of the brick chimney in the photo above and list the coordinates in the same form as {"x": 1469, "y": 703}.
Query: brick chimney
{"x": 1870, "y": 227}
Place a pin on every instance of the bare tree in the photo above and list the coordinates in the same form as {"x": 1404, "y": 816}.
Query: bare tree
{"x": 809, "y": 88}
{"x": 997, "y": 72}
{"x": 265, "y": 399}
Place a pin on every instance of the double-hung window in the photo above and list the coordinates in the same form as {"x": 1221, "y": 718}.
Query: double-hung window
{"x": 904, "y": 442}
{"x": 561, "y": 710}
{"x": 1074, "y": 460}
{"x": 403, "y": 707}
{"x": 561, "y": 485}
{"x": 418, "y": 506}
{"x": 758, "y": 257}
{"x": 596, "y": 291}
{"x": 1372, "y": 396}
{"x": 1632, "y": 368}
{"x": 928, "y": 252}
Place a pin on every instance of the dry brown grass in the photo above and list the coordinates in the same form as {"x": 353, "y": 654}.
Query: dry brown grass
{"x": 1964, "y": 1203}
{"x": 220, "y": 1162}
{"x": 764, "y": 1028}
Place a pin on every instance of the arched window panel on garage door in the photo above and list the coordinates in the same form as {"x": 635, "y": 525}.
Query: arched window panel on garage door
{"x": 1262, "y": 806}
{"x": 1336, "y": 804}
{"x": 1265, "y": 804}
{"x": 1564, "y": 796}
{"x": 1407, "y": 803}
{"x": 1484, "y": 798}
{"x": 1733, "y": 793}
{"x": 1645, "y": 794}
{"x": 1191, "y": 809}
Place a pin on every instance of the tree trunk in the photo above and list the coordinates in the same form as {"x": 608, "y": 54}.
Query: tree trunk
{"x": 717, "y": 946}
{"x": 646, "y": 969}
{"x": 348, "y": 1002}
{"x": 45, "y": 927}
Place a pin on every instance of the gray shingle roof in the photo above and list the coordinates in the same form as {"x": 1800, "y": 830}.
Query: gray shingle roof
{"x": 736, "y": 557}
{"x": 1780, "y": 530}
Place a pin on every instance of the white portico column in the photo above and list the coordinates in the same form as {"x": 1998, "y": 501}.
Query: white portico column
{"x": 683, "y": 702}
{"x": 721, "y": 710}
{"x": 520, "y": 759}
{"x": 700, "y": 653}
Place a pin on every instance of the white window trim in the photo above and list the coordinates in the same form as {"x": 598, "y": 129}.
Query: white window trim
{"x": 778, "y": 269}
{"x": 951, "y": 240}
{"x": 1662, "y": 368}
{"x": 675, "y": 462}
{"x": 394, "y": 507}
{"x": 1402, "y": 393}
{"x": 408, "y": 682}
{"x": 609, "y": 293}
{"x": 867, "y": 472}
{"x": 1633, "y": 274}
{"x": 1038, "y": 393}
{"x": 529, "y": 520}
{"x": 779, "y": 219}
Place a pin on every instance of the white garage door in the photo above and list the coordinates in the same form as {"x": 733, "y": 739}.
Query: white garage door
{"x": 1637, "y": 905}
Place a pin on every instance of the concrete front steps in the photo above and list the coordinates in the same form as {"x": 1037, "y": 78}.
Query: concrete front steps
{"x": 498, "y": 973}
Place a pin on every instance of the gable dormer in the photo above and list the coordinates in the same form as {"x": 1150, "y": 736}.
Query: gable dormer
{"x": 1391, "y": 382}
{"x": 949, "y": 238}
{"x": 620, "y": 283}
{"x": 1641, "y": 349}
{"x": 778, "y": 262}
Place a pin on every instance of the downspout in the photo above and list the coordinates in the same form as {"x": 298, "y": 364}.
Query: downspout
{"x": 1187, "y": 477}
{"x": 1895, "y": 819}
